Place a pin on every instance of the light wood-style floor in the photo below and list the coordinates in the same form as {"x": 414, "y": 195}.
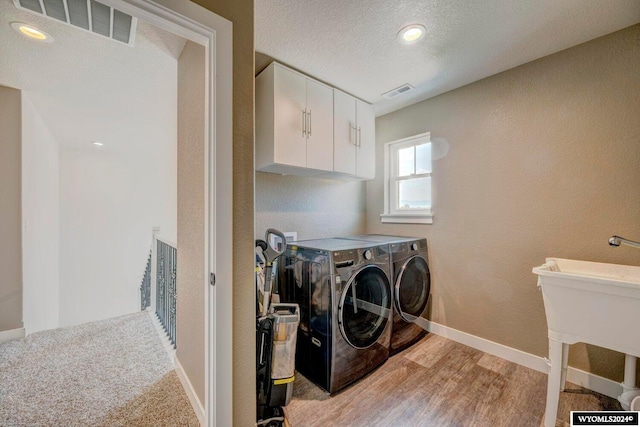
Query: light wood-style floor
{"x": 439, "y": 382}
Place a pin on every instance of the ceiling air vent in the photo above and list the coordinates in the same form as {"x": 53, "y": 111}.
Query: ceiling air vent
{"x": 90, "y": 15}
{"x": 398, "y": 91}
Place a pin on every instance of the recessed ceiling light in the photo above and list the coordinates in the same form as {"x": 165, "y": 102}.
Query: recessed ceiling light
{"x": 98, "y": 143}
{"x": 411, "y": 34}
{"x": 31, "y": 32}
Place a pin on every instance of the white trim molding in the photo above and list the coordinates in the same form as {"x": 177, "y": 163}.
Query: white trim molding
{"x": 576, "y": 376}
{"x": 594, "y": 382}
{"x": 12, "y": 334}
{"x": 191, "y": 393}
{"x": 406, "y": 218}
{"x": 508, "y": 353}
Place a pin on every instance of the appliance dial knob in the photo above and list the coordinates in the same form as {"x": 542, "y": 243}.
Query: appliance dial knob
{"x": 368, "y": 255}
{"x": 414, "y": 246}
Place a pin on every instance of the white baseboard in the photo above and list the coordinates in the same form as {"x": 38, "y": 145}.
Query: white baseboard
{"x": 511, "y": 354}
{"x": 12, "y": 334}
{"x": 576, "y": 376}
{"x": 191, "y": 393}
{"x": 594, "y": 382}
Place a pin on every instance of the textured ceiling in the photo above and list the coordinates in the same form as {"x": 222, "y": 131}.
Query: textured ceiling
{"x": 352, "y": 45}
{"x": 87, "y": 87}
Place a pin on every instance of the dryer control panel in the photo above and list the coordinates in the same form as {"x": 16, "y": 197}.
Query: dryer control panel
{"x": 346, "y": 258}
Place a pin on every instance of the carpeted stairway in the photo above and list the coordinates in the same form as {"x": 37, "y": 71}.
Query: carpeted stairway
{"x": 108, "y": 373}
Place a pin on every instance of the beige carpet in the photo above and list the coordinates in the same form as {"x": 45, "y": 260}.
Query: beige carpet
{"x": 108, "y": 373}
{"x": 163, "y": 404}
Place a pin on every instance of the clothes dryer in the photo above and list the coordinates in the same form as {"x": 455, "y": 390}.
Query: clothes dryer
{"x": 343, "y": 288}
{"x": 411, "y": 286}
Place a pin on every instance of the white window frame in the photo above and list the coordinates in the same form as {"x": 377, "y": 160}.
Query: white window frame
{"x": 393, "y": 214}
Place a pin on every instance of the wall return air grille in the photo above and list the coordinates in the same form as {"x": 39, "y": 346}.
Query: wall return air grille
{"x": 89, "y": 15}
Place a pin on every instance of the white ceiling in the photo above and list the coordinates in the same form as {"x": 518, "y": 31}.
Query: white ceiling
{"x": 352, "y": 44}
{"x": 87, "y": 87}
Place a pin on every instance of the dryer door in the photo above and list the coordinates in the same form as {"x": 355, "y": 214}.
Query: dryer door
{"x": 413, "y": 284}
{"x": 365, "y": 307}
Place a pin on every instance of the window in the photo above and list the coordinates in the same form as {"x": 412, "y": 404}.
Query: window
{"x": 407, "y": 179}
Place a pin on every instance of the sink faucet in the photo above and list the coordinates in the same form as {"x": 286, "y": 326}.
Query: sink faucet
{"x": 617, "y": 240}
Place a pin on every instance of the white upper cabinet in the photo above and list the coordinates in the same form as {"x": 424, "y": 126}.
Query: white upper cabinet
{"x": 294, "y": 123}
{"x": 366, "y": 151}
{"x": 353, "y": 136}
{"x": 304, "y": 127}
{"x": 289, "y": 103}
{"x": 345, "y": 133}
{"x": 319, "y": 126}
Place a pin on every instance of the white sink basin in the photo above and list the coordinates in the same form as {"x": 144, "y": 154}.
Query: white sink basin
{"x": 591, "y": 302}
{"x": 594, "y": 303}
{"x": 595, "y": 272}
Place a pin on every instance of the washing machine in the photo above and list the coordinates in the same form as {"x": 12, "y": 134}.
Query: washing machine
{"x": 343, "y": 288}
{"x": 411, "y": 286}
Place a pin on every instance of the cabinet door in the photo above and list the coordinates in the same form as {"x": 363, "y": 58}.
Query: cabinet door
{"x": 344, "y": 133}
{"x": 366, "y": 151}
{"x": 319, "y": 126}
{"x": 290, "y": 144}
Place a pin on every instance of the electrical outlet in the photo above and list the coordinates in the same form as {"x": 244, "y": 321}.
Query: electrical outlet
{"x": 276, "y": 242}
{"x": 291, "y": 236}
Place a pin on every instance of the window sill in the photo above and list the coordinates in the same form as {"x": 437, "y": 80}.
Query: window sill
{"x": 407, "y": 218}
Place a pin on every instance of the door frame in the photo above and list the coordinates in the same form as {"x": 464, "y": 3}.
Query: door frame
{"x": 195, "y": 23}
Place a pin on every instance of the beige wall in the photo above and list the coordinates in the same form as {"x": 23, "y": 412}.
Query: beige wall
{"x": 240, "y": 13}
{"x": 190, "y": 301}
{"x": 313, "y": 207}
{"x": 543, "y": 160}
{"x": 10, "y": 211}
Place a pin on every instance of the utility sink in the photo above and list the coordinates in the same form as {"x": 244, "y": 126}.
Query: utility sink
{"x": 594, "y": 303}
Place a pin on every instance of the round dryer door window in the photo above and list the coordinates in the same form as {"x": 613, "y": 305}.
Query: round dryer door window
{"x": 365, "y": 307}
{"x": 413, "y": 285}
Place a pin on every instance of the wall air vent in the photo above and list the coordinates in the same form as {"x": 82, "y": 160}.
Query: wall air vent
{"x": 89, "y": 15}
{"x": 398, "y": 91}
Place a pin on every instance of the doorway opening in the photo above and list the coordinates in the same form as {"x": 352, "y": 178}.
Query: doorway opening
{"x": 84, "y": 172}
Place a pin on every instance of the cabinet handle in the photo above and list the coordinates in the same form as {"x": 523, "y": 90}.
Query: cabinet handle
{"x": 309, "y": 122}
{"x": 359, "y": 136}
{"x": 355, "y": 134}
{"x": 304, "y": 122}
